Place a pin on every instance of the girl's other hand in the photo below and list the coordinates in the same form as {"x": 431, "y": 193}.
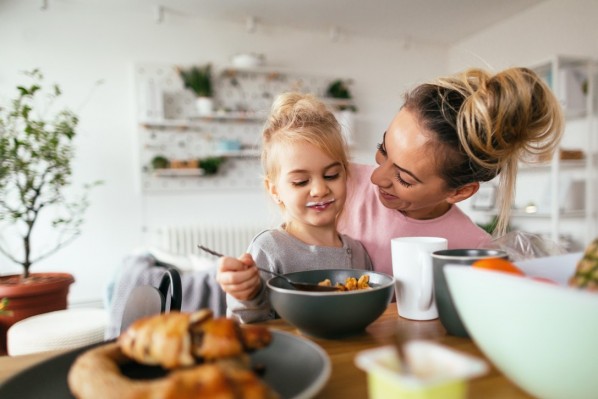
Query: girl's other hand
{"x": 239, "y": 277}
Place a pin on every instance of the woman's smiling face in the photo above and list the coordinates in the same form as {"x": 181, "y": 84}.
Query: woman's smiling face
{"x": 407, "y": 176}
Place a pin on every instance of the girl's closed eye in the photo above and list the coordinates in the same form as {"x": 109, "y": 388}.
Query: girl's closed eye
{"x": 299, "y": 183}
{"x": 381, "y": 149}
{"x": 332, "y": 176}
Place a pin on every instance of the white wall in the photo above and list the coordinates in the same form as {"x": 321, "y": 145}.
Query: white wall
{"x": 557, "y": 27}
{"x": 77, "y": 45}
{"x": 565, "y": 27}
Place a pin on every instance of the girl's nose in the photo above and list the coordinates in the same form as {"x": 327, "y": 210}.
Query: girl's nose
{"x": 318, "y": 188}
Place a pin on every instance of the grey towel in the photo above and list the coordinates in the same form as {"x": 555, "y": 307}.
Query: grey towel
{"x": 200, "y": 289}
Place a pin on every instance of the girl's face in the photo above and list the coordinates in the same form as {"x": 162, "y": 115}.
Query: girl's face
{"x": 407, "y": 176}
{"x": 311, "y": 186}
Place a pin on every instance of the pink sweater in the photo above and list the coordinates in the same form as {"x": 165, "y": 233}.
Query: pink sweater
{"x": 370, "y": 222}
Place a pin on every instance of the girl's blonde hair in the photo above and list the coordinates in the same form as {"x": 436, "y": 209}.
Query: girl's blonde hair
{"x": 489, "y": 123}
{"x": 297, "y": 117}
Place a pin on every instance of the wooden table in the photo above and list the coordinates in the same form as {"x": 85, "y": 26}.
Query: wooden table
{"x": 346, "y": 380}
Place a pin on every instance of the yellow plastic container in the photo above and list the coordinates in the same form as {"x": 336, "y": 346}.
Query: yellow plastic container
{"x": 438, "y": 372}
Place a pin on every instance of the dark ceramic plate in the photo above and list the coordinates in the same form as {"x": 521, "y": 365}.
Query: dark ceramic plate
{"x": 293, "y": 366}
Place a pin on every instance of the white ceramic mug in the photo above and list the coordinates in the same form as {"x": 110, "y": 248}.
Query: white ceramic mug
{"x": 412, "y": 269}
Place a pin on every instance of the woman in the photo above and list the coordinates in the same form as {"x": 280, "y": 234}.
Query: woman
{"x": 449, "y": 136}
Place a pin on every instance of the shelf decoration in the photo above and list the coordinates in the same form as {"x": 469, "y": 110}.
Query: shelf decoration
{"x": 164, "y": 167}
{"x": 199, "y": 80}
{"x": 170, "y": 125}
{"x": 211, "y": 164}
{"x": 339, "y": 90}
{"x": 340, "y": 99}
{"x": 573, "y": 82}
{"x": 160, "y": 162}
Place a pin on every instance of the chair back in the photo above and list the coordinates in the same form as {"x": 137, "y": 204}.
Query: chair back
{"x": 147, "y": 300}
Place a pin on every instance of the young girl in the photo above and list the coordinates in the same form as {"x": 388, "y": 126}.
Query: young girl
{"x": 305, "y": 165}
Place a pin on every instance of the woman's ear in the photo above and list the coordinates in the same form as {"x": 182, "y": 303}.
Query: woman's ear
{"x": 463, "y": 192}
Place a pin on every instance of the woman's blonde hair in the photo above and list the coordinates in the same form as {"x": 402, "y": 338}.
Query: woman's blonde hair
{"x": 489, "y": 123}
{"x": 297, "y": 117}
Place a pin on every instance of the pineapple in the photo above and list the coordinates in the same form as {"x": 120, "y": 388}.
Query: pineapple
{"x": 586, "y": 273}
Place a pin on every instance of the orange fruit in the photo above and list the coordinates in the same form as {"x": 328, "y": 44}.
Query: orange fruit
{"x": 499, "y": 265}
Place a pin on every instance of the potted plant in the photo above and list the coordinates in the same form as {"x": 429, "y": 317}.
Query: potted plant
{"x": 210, "y": 165}
{"x": 36, "y": 150}
{"x": 199, "y": 80}
{"x": 160, "y": 162}
{"x": 339, "y": 90}
{"x": 343, "y": 106}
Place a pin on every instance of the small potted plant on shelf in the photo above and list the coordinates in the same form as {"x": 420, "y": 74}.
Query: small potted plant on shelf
{"x": 160, "y": 162}
{"x": 36, "y": 151}
{"x": 210, "y": 165}
{"x": 342, "y": 105}
{"x": 199, "y": 80}
{"x": 339, "y": 90}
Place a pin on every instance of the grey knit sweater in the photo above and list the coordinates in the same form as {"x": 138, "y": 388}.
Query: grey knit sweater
{"x": 278, "y": 251}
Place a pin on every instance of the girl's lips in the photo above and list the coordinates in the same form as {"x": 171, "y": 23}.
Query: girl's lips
{"x": 320, "y": 206}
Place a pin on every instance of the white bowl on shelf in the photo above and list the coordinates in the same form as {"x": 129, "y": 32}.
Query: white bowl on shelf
{"x": 248, "y": 60}
{"x": 540, "y": 335}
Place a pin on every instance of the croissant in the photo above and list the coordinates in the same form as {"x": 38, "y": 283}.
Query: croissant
{"x": 178, "y": 342}
{"x": 182, "y": 339}
{"x": 96, "y": 375}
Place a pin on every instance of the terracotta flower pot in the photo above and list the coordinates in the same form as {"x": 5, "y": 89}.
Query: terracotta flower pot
{"x": 40, "y": 293}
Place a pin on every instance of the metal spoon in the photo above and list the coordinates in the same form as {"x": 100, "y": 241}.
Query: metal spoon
{"x": 297, "y": 285}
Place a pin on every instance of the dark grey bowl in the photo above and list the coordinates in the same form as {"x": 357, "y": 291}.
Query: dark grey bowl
{"x": 447, "y": 311}
{"x": 331, "y": 314}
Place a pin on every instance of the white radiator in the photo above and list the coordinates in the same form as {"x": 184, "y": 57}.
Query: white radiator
{"x": 231, "y": 240}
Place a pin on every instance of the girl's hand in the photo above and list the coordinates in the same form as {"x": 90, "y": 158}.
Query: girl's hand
{"x": 238, "y": 277}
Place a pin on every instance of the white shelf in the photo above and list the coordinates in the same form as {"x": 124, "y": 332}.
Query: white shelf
{"x": 171, "y": 172}
{"x": 573, "y": 80}
{"x": 169, "y": 126}
{"x": 564, "y": 164}
{"x": 545, "y": 215}
{"x": 517, "y": 213}
{"x": 271, "y": 73}
{"x": 200, "y": 121}
{"x": 338, "y": 102}
{"x": 231, "y": 117}
{"x": 249, "y": 153}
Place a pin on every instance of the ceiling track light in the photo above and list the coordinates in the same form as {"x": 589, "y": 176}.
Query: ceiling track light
{"x": 44, "y": 5}
{"x": 334, "y": 34}
{"x": 159, "y": 14}
{"x": 251, "y": 24}
{"x": 406, "y": 42}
